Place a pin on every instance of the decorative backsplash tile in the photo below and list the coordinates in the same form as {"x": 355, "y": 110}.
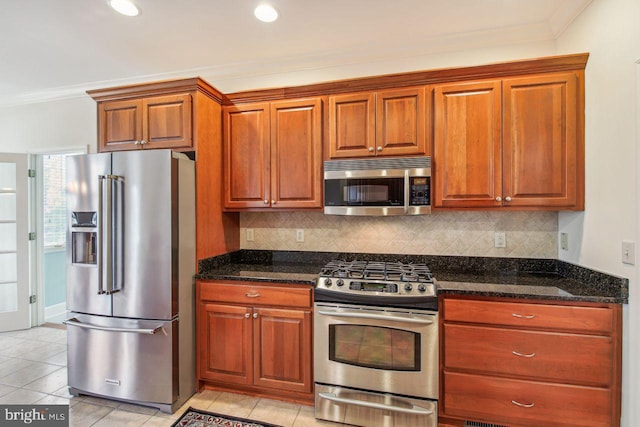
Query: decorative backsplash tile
{"x": 466, "y": 233}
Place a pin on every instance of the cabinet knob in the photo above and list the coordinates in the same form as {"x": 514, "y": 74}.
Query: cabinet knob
{"x": 507, "y": 199}
{"x": 371, "y": 149}
{"x": 136, "y": 143}
{"x": 266, "y": 202}
{"x": 273, "y": 202}
{"x": 379, "y": 148}
{"x": 255, "y": 315}
{"x": 143, "y": 142}
{"x": 498, "y": 199}
{"x": 246, "y": 315}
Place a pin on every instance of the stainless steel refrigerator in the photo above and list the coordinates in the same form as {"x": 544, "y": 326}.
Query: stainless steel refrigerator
{"x": 130, "y": 267}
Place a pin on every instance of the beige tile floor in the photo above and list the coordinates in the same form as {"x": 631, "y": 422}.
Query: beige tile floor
{"x": 33, "y": 369}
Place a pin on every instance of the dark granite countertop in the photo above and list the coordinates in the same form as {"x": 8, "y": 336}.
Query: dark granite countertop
{"x": 482, "y": 276}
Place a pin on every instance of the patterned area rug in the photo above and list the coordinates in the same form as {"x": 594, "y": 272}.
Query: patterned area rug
{"x": 197, "y": 418}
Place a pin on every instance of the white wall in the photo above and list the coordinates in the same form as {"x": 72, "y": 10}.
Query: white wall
{"x": 609, "y": 31}
{"x": 49, "y": 126}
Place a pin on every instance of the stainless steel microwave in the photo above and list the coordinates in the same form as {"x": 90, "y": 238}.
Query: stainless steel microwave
{"x": 378, "y": 187}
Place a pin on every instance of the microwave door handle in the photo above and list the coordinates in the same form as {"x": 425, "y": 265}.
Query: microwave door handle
{"x": 99, "y": 255}
{"x": 407, "y": 191}
{"x": 414, "y": 409}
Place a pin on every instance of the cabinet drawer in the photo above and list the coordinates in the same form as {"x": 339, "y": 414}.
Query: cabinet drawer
{"x": 540, "y": 316}
{"x": 256, "y": 294}
{"x": 506, "y": 401}
{"x": 582, "y": 359}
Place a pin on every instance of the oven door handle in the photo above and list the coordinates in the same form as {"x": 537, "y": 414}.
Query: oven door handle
{"x": 372, "y": 316}
{"x": 416, "y": 410}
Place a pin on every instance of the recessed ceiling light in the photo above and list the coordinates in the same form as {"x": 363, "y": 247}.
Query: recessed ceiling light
{"x": 266, "y": 13}
{"x": 125, "y": 7}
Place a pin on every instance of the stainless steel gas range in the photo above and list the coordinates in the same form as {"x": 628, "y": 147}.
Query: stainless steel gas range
{"x": 376, "y": 344}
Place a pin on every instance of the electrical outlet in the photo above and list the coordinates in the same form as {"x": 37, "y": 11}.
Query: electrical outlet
{"x": 628, "y": 252}
{"x": 500, "y": 239}
{"x": 249, "y": 235}
{"x": 564, "y": 241}
{"x": 299, "y": 235}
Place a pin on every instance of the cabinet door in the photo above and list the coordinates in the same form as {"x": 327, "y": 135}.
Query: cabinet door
{"x": 401, "y": 122}
{"x": 467, "y": 145}
{"x": 225, "y": 344}
{"x": 543, "y": 147}
{"x": 352, "y": 125}
{"x": 247, "y": 156}
{"x": 296, "y": 154}
{"x": 119, "y": 125}
{"x": 282, "y": 349}
{"x": 166, "y": 121}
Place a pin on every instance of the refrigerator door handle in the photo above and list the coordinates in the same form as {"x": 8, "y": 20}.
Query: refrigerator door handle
{"x": 75, "y": 322}
{"x": 99, "y": 255}
{"x": 116, "y": 235}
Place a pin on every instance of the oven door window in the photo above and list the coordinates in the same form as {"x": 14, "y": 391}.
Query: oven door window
{"x": 364, "y": 192}
{"x": 375, "y": 347}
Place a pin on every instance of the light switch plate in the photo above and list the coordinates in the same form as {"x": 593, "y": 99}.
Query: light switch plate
{"x": 628, "y": 252}
{"x": 249, "y": 234}
{"x": 500, "y": 239}
{"x": 564, "y": 241}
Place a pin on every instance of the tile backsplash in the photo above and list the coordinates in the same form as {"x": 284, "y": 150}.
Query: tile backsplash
{"x": 464, "y": 233}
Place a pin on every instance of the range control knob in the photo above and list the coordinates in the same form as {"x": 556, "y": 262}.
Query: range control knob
{"x": 422, "y": 288}
{"x": 340, "y": 282}
{"x": 408, "y": 287}
{"x": 327, "y": 283}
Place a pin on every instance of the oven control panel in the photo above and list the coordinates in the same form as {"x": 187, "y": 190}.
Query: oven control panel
{"x": 377, "y": 287}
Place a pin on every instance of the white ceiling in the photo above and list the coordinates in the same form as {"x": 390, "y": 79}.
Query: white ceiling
{"x": 49, "y": 48}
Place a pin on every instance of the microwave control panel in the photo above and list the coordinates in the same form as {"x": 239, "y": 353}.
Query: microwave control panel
{"x": 420, "y": 192}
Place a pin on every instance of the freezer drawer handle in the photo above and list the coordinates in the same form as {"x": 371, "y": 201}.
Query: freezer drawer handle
{"x": 358, "y": 315}
{"x": 413, "y": 410}
{"x": 75, "y": 322}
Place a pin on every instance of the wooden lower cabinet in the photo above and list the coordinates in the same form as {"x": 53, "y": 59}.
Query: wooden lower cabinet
{"x": 515, "y": 362}
{"x": 251, "y": 342}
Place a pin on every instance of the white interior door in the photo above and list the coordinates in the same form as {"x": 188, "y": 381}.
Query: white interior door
{"x": 14, "y": 243}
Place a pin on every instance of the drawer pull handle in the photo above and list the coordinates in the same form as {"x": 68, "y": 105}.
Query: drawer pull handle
{"x": 522, "y": 316}
{"x": 252, "y": 295}
{"x": 522, "y": 405}
{"x": 515, "y": 353}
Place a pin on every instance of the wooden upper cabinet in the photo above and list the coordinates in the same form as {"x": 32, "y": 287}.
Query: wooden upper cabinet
{"x": 543, "y": 149}
{"x": 247, "y": 155}
{"x": 467, "y": 144}
{"x": 296, "y": 154}
{"x": 352, "y": 125}
{"x": 273, "y": 155}
{"x": 119, "y": 124}
{"x": 511, "y": 143}
{"x": 154, "y": 122}
{"x": 166, "y": 121}
{"x": 173, "y": 114}
{"x": 390, "y": 122}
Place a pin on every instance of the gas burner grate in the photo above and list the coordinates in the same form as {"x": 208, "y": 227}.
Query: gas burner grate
{"x": 374, "y": 270}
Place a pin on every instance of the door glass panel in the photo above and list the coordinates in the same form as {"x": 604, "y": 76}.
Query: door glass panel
{"x": 375, "y": 347}
{"x": 7, "y": 176}
{"x": 8, "y": 237}
{"x": 8, "y": 268}
{"x": 7, "y": 207}
{"x": 9, "y": 300}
